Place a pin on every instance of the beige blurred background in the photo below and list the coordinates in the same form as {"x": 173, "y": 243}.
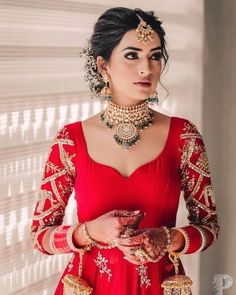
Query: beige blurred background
{"x": 42, "y": 88}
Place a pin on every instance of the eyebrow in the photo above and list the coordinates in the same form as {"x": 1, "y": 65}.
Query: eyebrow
{"x": 139, "y": 49}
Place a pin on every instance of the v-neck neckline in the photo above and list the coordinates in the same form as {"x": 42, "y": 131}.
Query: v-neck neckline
{"x": 139, "y": 167}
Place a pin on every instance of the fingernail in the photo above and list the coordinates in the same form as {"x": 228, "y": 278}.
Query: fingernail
{"x": 137, "y": 211}
{"x": 125, "y": 258}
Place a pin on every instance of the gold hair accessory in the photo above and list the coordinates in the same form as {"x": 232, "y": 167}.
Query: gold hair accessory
{"x": 129, "y": 120}
{"x": 177, "y": 284}
{"x": 144, "y": 31}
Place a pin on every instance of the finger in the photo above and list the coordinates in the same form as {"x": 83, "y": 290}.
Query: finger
{"x": 135, "y": 232}
{"x": 128, "y": 251}
{"x": 131, "y": 241}
{"x": 131, "y": 260}
{"x": 131, "y": 255}
{"x": 123, "y": 249}
{"x": 130, "y": 220}
{"x": 125, "y": 213}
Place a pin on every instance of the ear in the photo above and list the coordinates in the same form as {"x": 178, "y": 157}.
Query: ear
{"x": 101, "y": 65}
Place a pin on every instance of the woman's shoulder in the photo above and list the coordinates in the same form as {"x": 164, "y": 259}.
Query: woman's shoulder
{"x": 176, "y": 121}
{"x": 184, "y": 124}
{"x": 79, "y": 126}
{"x": 179, "y": 126}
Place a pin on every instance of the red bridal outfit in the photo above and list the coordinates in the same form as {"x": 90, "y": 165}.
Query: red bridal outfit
{"x": 153, "y": 188}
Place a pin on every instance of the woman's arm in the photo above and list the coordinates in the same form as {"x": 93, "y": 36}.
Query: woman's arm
{"x": 47, "y": 233}
{"x": 196, "y": 185}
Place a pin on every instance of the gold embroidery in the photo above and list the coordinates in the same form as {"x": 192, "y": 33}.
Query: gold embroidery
{"x": 51, "y": 167}
{"x": 208, "y": 195}
{"x": 101, "y": 262}
{"x": 196, "y": 182}
{"x": 62, "y": 133}
{"x": 56, "y": 186}
{"x": 202, "y": 162}
{"x": 44, "y": 195}
{"x": 142, "y": 272}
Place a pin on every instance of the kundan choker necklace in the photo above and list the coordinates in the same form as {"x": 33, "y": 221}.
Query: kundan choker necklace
{"x": 128, "y": 121}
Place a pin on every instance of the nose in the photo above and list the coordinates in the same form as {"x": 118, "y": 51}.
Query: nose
{"x": 144, "y": 67}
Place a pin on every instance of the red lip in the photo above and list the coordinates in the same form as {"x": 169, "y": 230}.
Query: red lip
{"x": 145, "y": 82}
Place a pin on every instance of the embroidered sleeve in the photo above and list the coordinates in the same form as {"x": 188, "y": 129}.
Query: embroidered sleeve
{"x": 56, "y": 187}
{"x": 196, "y": 185}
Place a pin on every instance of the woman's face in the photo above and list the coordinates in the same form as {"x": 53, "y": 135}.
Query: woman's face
{"x": 132, "y": 62}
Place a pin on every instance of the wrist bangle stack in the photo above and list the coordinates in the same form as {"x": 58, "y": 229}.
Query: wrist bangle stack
{"x": 93, "y": 242}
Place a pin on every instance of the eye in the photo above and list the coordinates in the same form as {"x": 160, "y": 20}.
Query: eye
{"x": 131, "y": 55}
{"x": 156, "y": 56}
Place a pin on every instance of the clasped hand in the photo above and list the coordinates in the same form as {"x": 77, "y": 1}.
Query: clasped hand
{"x": 120, "y": 228}
{"x": 144, "y": 245}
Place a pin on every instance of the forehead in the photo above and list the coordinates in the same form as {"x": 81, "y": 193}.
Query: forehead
{"x": 129, "y": 39}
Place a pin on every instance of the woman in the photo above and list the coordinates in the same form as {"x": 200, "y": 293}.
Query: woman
{"x": 127, "y": 177}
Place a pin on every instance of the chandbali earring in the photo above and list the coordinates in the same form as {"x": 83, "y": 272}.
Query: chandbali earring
{"x": 106, "y": 92}
{"x": 153, "y": 99}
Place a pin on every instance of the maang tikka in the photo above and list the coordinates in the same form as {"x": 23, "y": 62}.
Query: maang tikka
{"x": 144, "y": 31}
{"x": 145, "y": 34}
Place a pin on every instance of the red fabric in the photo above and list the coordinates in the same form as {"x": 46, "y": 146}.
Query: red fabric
{"x": 153, "y": 188}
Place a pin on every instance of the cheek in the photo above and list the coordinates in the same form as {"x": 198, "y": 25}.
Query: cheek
{"x": 157, "y": 67}
{"x": 119, "y": 67}
{"x": 157, "y": 71}
{"x": 123, "y": 71}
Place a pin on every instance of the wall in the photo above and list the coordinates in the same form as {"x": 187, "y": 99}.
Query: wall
{"x": 219, "y": 121}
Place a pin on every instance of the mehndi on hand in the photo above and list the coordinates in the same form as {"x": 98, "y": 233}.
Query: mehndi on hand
{"x": 145, "y": 244}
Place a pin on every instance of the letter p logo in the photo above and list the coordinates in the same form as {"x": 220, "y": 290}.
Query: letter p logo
{"x": 221, "y": 282}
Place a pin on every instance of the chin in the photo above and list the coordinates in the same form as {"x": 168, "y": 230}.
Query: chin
{"x": 143, "y": 97}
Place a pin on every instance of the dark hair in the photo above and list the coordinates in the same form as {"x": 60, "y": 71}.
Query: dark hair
{"x": 108, "y": 32}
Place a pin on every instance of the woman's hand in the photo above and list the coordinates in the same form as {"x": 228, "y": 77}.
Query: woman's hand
{"x": 108, "y": 227}
{"x": 152, "y": 242}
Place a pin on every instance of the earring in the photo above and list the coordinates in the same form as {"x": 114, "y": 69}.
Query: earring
{"x": 153, "y": 99}
{"x": 106, "y": 92}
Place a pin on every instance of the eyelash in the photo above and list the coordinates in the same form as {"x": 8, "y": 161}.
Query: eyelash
{"x": 159, "y": 55}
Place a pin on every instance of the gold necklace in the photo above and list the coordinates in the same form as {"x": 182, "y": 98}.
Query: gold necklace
{"x": 129, "y": 120}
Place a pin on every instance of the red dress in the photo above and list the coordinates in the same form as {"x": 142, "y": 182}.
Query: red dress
{"x": 153, "y": 188}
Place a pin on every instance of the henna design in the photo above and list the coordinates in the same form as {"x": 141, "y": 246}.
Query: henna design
{"x": 130, "y": 221}
{"x": 129, "y": 253}
{"x": 152, "y": 240}
{"x": 123, "y": 213}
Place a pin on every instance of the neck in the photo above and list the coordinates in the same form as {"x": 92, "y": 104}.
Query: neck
{"x": 124, "y": 101}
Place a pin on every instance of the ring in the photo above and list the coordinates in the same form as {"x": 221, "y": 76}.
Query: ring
{"x": 141, "y": 254}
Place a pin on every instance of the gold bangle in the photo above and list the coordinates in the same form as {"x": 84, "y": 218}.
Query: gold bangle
{"x": 80, "y": 248}
{"x": 94, "y": 242}
{"x": 88, "y": 237}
